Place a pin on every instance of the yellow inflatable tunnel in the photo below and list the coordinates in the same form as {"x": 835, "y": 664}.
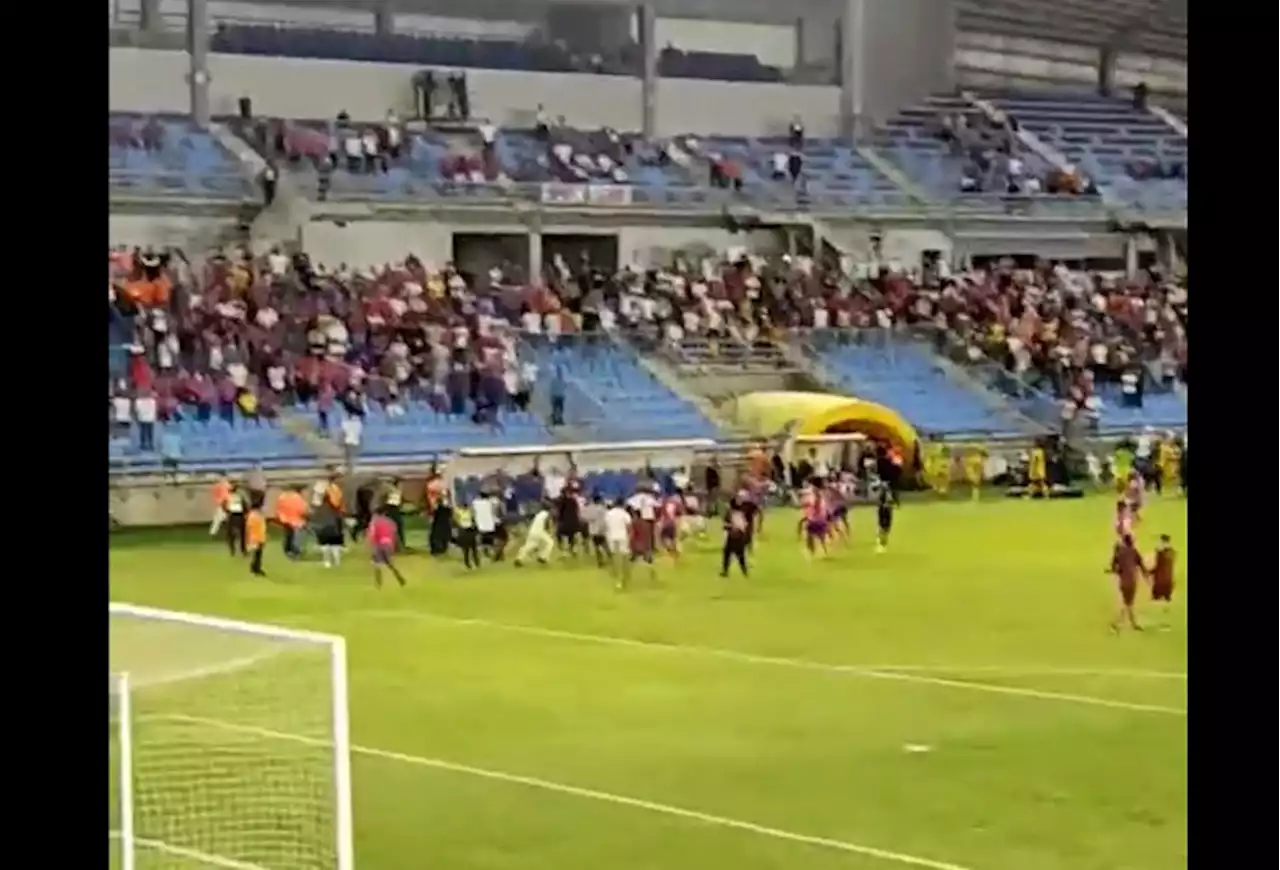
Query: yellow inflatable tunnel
{"x": 768, "y": 414}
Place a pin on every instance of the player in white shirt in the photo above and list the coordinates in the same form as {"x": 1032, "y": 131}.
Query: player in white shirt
{"x": 484, "y": 511}
{"x": 617, "y": 535}
{"x": 538, "y": 541}
{"x": 692, "y": 521}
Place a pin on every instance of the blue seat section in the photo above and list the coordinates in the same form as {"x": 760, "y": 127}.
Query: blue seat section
{"x": 188, "y": 162}
{"x": 607, "y": 390}
{"x": 909, "y": 141}
{"x": 612, "y": 484}
{"x": 1162, "y": 410}
{"x": 906, "y": 378}
{"x": 422, "y": 432}
{"x": 835, "y": 174}
{"x": 215, "y": 444}
{"x": 1105, "y": 137}
{"x": 524, "y": 158}
{"x": 416, "y": 173}
{"x": 501, "y": 54}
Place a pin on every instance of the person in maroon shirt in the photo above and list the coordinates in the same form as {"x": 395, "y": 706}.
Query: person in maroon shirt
{"x": 1127, "y": 566}
{"x": 1162, "y": 574}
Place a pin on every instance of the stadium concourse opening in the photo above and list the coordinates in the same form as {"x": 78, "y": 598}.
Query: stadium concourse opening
{"x": 767, "y": 414}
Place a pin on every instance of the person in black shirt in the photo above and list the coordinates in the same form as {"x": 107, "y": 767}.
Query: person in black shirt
{"x": 568, "y": 519}
{"x": 884, "y": 516}
{"x": 364, "y": 510}
{"x": 711, "y": 479}
{"x": 737, "y": 537}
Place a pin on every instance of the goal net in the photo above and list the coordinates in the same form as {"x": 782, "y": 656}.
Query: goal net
{"x": 229, "y": 745}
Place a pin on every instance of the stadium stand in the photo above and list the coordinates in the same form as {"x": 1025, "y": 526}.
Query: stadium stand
{"x": 159, "y": 155}
{"x": 1135, "y": 157}
{"x": 955, "y": 152}
{"x": 608, "y": 390}
{"x": 904, "y": 376}
{"x": 221, "y": 357}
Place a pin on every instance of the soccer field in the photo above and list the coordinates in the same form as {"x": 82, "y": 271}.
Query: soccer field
{"x": 957, "y": 703}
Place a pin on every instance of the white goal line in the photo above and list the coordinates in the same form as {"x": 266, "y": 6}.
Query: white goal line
{"x": 190, "y": 854}
{"x": 575, "y": 791}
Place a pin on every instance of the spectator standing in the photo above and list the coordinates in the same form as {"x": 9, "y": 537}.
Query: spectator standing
{"x": 795, "y": 134}
{"x": 121, "y": 411}
{"x": 144, "y": 410}
{"x": 557, "y": 396}
{"x": 270, "y": 179}
{"x": 352, "y": 431}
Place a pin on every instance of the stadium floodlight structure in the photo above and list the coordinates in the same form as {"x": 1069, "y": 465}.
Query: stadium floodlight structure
{"x": 229, "y": 747}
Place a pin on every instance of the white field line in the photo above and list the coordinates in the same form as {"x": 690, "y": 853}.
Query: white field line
{"x": 189, "y": 854}
{"x": 586, "y": 793}
{"x": 774, "y": 661}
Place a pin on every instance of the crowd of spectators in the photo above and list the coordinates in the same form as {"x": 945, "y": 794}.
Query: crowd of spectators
{"x": 240, "y": 338}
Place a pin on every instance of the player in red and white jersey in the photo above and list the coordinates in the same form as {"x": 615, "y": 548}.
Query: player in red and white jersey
{"x": 1124, "y": 519}
{"x": 839, "y": 497}
{"x": 669, "y": 512}
{"x": 643, "y": 505}
{"x": 692, "y": 520}
{"x": 1134, "y": 493}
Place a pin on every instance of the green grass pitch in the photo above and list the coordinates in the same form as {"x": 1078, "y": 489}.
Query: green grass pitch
{"x": 957, "y": 702}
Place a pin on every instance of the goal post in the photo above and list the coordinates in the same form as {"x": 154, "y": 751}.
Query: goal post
{"x": 230, "y": 744}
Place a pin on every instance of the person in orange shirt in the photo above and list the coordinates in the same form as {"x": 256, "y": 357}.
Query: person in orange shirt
{"x": 221, "y": 492}
{"x": 255, "y": 532}
{"x": 291, "y": 514}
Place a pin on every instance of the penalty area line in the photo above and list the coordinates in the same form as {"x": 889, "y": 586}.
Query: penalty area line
{"x": 576, "y": 791}
{"x": 900, "y": 675}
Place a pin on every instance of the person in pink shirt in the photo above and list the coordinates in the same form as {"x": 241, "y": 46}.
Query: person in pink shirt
{"x": 382, "y": 546}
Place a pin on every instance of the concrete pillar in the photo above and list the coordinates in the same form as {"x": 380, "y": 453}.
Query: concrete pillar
{"x": 535, "y": 257}
{"x": 384, "y": 18}
{"x": 647, "y": 29}
{"x": 149, "y": 16}
{"x": 1131, "y": 255}
{"x": 1106, "y": 70}
{"x": 802, "y": 47}
{"x": 198, "y": 54}
{"x": 852, "y": 86}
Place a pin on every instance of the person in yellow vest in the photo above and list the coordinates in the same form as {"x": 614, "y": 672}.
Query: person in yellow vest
{"x": 1168, "y": 459}
{"x": 255, "y": 533}
{"x": 975, "y": 460}
{"x": 393, "y": 507}
{"x": 1037, "y": 472}
{"x": 466, "y": 536}
{"x": 236, "y": 506}
{"x": 942, "y": 471}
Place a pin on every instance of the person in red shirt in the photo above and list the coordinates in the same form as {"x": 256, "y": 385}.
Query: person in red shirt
{"x": 382, "y": 546}
{"x": 1162, "y": 574}
{"x": 1127, "y": 566}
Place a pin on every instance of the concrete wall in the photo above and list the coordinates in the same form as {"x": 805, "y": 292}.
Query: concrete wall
{"x": 145, "y": 80}
{"x": 908, "y": 51}
{"x": 366, "y": 243}
{"x": 646, "y": 246}
{"x": 161, "y": 230}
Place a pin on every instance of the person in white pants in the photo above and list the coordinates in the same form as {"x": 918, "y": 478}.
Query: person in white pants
{"x": 617, "y": 535}
{"x": 538, "y": 540}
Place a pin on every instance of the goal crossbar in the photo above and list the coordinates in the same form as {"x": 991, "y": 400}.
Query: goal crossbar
{"x": 337, "y": 740}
